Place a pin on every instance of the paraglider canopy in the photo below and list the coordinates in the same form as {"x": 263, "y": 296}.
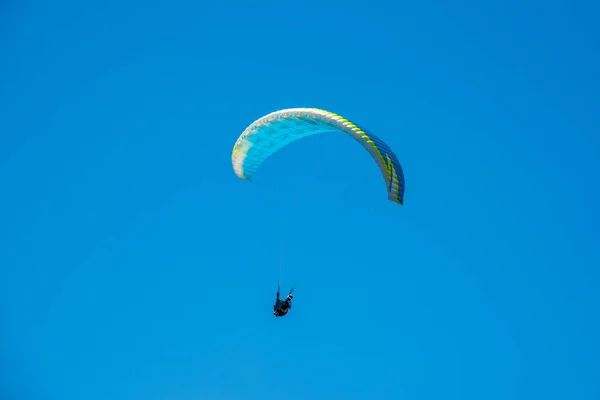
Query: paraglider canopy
{"x": 276, "y": 130}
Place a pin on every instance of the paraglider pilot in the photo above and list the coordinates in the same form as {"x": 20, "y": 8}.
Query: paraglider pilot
{"x": 282, "y": 307}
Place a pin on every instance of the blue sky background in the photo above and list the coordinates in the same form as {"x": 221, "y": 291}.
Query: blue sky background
{"x": 135, "y": 265}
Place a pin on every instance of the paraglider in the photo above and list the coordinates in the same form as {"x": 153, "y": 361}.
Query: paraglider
{"x": 272, "y": 132}
{"x": 281, "y": 307}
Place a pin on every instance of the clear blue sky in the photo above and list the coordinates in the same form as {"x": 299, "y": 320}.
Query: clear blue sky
{"x": 135, "y": 265}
